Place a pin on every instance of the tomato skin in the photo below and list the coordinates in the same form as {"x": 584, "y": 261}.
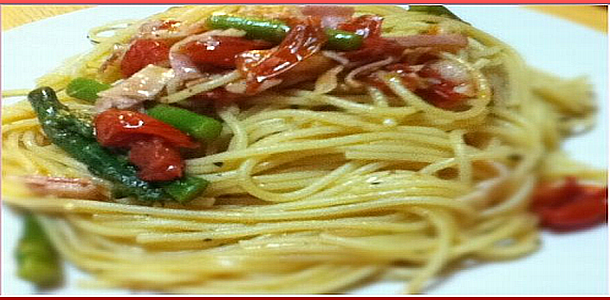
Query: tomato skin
{"x": 549, "y": 195}
{"x": 153, "y": 144}
{"x": 304, "y": 39}
{"x": 374, "y": 47}
{"x": 171, "y": 25}
{"x": 156, "y": 160}
{"x": 582, "y": 213}
{"x": 220, "y": 51}
{"x": 441, "y": 93}
{"x": 143, "y": 52}
{"x": 366, "y": 26}
{"x": 119, "y": 128}
{"x": 570, "y": 205}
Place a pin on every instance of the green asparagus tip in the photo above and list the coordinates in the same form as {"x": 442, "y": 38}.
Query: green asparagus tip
{"x": 37, "y": 260}
{"x": 186, "y": 189}
{"x": 85, "y": 89}
{"x": 198, "y": 126}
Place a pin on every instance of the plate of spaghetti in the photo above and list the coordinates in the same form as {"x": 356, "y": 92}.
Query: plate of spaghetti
{"x": 304, "y": 149}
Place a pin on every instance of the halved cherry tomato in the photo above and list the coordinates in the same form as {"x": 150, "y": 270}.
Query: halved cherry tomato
{"x": 143, "y": 52}
{"x": 153, "y": 144}
{"x": 120, "y": 128}
{"x": 156, "y": 160}
{"x": 366, "y": 26}
{"x": 374, "y": 47}
{"x": 583, "y": 212}
{"x": 571, "y": 205}
{"x": 220, "y": 51}
{"x": 554, "y": 195}
{"x": 303, "y": 40}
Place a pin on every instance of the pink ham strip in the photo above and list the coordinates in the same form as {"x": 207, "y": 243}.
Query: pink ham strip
{"x": 331, "y": 15}
{"x": 150, "y": 30}
{"x": 62, "y": 187}
{"x": 184, "y": 67}
{"x": 141, "y": 86}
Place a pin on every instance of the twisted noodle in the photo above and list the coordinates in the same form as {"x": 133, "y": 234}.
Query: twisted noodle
{"x": 342, "y": 189}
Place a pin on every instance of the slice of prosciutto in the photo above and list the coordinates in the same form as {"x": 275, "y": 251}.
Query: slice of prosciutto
{"x": 168, "y": 29}
{"x": 144, "y": 85}
{"x": 63, "y": 187}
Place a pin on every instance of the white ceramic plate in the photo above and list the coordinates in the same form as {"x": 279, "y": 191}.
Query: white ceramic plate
{"x": 575, "y": 263}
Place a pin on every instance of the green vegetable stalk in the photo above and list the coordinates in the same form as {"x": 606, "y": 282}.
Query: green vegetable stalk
{"x": 83, "y": 147}
{"x": 342, "y": 40}
{"x": 37, "y": 260}
{"x": 76, "y": 138}
{"x": 186, "y": 188}
{"x": 275, "y": 31}
{"x": 85, "y": 89}
{"x": 268, "y": 30}
{"x": 196, "y": 125}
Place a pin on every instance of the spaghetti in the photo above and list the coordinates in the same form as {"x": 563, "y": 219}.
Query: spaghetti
{"x": 316, "y": 187}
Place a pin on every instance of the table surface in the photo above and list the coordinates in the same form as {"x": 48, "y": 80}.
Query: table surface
{"x": 595, "y": 17}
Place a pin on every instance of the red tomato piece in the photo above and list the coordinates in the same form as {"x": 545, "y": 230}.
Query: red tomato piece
{"x": 366, "y": 26}
{"x": 170, "y": 25}
{"x": 584, "y": 212}
{"x": 441, "y": 95}
{"x": 119, "y": 128}
{"x": 143, "y": 52}
{"x": 220, "y": 51}
{"x": 156, "y": 160}
{"x": 571, "y": 205}
{"x": 552, "y": 195}
{"x": 442, "y": 92}
{"x": 303, "y": 40}
{"x": 374, "y": 47}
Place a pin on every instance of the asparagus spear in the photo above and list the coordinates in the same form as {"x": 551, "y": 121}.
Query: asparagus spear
{"x": 275, "y": 31}
{"x": 37, "y": 260}
{"x": 186, "y": 188}
{"x": 78, "y": 141}
{"x": 196, "y": 125}
{"x": 268, "y": 30}
{"x": 76, "y": 137}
